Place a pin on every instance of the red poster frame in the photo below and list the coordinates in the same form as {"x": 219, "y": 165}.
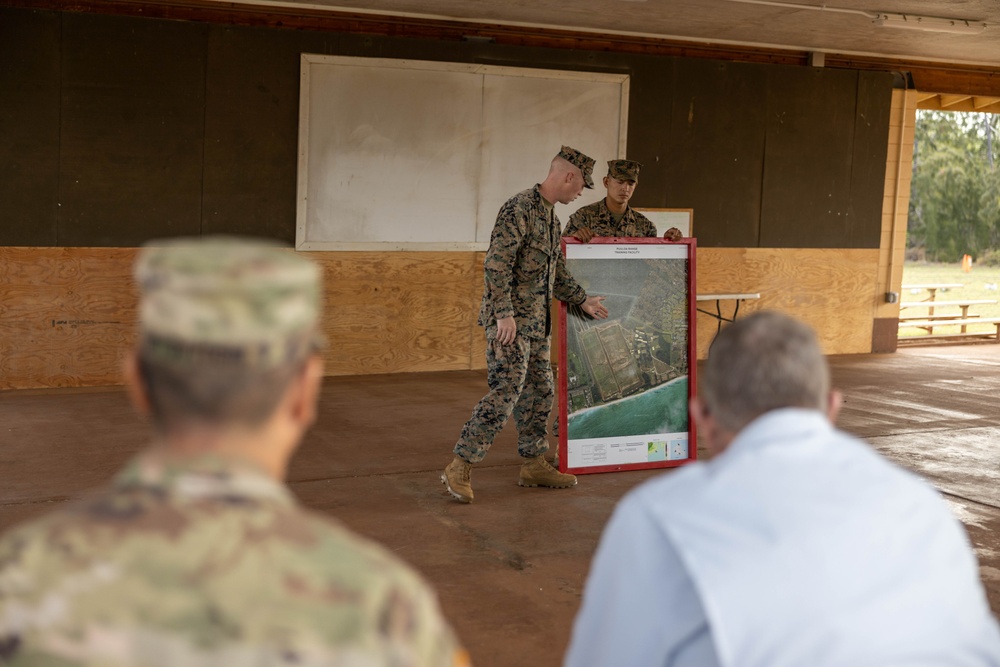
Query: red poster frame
{"x": 562, "y": 384}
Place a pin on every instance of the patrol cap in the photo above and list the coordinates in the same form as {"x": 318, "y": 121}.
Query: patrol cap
{"x": 624, "y": 170}
{"x": 578, "y": 159}
{"x": 248, "y": 300}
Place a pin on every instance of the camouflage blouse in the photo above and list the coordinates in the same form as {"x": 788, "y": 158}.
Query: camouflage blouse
{"x": 525, "y": 267}
{"x": 208, "y": 562}
{"x": 598, "y": 218}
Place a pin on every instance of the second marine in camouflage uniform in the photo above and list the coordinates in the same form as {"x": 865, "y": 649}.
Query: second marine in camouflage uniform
{"x": 601, "y": 221}
{"x": 524, "y": 270}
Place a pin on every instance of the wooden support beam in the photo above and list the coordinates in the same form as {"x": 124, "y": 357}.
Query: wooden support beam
{"x": 980, "y": 103}
{"x": 948, "y": 101}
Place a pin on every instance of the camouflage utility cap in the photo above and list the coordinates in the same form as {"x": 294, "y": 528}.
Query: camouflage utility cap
{"x": 578, "y": 159}
{"x": 624, "y": 170}
{"x": 249, "y": 300}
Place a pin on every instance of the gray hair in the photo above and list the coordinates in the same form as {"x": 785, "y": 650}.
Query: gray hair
{"x": 761, "y": 363}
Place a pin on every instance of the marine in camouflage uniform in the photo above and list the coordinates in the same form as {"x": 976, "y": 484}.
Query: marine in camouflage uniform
{"x": 524, "y": 269}
{"x": 199, "y": 556}
{"x": 602, "y": 221}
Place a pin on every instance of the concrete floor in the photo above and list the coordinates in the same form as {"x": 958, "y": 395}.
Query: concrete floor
{"x": 510, "y": 568}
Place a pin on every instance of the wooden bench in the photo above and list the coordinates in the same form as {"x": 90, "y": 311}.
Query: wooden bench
{"x": 929, "y": 324}
{"x": 931, "y": 305}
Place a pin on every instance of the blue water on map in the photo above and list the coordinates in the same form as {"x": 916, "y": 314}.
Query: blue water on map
{"x": 663, "y": 409}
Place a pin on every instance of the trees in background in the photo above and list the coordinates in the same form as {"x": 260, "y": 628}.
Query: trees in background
{"x": 955, "y": 191}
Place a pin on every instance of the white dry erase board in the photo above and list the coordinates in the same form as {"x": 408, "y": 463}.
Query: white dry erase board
{"x": 416, "y": 155}
{"x": 665, "y": 218}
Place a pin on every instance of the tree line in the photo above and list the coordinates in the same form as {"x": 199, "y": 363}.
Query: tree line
{"x": 955, "y": 190}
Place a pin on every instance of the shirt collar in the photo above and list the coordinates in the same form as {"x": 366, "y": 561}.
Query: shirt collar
{"x": 607, "y": 209}
{"x": 201, "y": 476}
{"x": 784, "y": 425}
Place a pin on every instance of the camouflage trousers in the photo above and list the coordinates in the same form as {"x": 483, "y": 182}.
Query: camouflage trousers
{"x": 520, "y": 380}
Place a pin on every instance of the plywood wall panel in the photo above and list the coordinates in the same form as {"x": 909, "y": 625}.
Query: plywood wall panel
{"x": 832, "y": 290}
{"x": 717, "y": 123}
{"x": 868, "y": 166}
{"x": 178, "y": 127}
{"x": 131, "y": 129}
{"x": 477, "y": 355}
{"x": 29, "y": 127}
{"x": 398, "y": 311}
{"x": 806, "y": 200}
{"x": 66, "y": 316}
{"x": 251, "y": 118}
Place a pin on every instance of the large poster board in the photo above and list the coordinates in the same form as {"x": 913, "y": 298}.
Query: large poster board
{"x": 625, "y": 382}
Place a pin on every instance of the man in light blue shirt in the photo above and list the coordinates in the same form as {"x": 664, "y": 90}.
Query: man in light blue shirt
{"x": 795, "y": 545}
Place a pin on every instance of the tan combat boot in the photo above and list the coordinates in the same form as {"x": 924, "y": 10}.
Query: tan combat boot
{"x": 458, "y": 478}
{"x": 538, "y": 472}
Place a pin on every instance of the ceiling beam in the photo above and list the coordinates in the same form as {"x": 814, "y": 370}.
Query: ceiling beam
{"x": 963, "y": 103}
{"x": 925, "y": 75}
{"x": 948, "y": 101}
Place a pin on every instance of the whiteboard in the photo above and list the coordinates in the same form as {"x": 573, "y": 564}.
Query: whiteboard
{"x": 417, "y": 155}
{"x": 665, "y": 218}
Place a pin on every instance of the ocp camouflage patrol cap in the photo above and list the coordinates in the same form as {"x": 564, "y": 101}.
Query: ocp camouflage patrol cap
{"x": 578, "y": 159}
{"x": 624, "y": 170}
{"x": 245, "y": 299}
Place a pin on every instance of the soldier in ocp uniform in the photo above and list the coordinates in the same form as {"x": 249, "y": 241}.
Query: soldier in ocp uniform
{"x": 612, "y": 216}
{"x": 524, "y": 269}
{"x": 197, "y": 554}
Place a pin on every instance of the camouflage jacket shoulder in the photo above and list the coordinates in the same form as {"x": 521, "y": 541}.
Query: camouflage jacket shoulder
{"x": 597, "y": 217}
{"x": 524, "y": 267}
{"x": 207, "y": 563}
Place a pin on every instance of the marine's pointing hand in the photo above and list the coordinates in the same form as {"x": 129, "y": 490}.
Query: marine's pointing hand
{"x": 594, "y": 306}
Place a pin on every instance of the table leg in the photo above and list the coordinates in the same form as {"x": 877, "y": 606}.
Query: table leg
{"x": 930, "y": 309}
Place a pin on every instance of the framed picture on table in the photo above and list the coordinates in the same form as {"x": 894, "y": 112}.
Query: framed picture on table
{"x": 624, "y": 382}
{"x": 665, "y": 218}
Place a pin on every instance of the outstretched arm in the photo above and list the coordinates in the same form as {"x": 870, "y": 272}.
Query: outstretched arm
{"x": 594, "y": 306}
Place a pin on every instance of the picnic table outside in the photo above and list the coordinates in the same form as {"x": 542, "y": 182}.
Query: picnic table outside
{"x": 932, "y": 288}
{"x": 934, "y": 318}
{"x": 931, "y": 305}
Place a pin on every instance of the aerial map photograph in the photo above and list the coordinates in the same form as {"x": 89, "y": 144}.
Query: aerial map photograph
{"x": 628, "y": 375}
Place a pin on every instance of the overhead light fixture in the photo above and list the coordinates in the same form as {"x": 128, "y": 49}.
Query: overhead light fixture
{"x": 929, "y": 23}
{"x": 887, "y": 19}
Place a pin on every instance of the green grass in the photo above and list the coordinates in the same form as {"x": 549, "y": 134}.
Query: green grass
{"x": 974, "y": 287}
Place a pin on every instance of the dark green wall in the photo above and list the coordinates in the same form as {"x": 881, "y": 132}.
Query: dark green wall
{"x": 115, "y": 130}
